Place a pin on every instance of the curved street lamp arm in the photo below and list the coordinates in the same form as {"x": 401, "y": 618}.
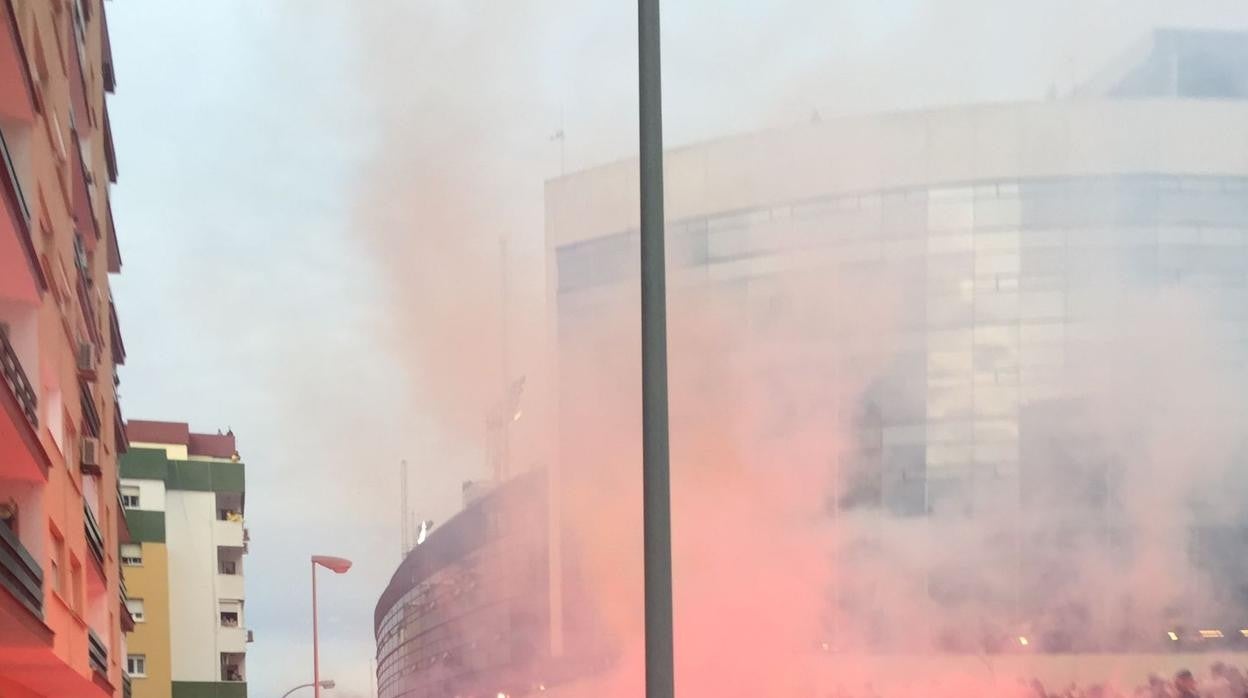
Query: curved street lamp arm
{"x": 296, "y": 688}
{"x": 302, "y": 685}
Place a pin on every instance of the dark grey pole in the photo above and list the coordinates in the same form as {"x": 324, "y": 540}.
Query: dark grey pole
{"x": 656, "y": 486}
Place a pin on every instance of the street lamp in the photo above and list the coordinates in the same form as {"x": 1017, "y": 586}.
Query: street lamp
{"x": 327, "y": 683}
{"x": 337, "y": 565}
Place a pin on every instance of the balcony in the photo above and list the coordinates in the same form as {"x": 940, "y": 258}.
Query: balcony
{"x": 85, "y": 289}
{"x": 84, "y": 207}
{"x": 126, "y": 688}
{"x": 17, "y": 93}
{"x": 123, "y": 525}
{"x": 230, "y": 586}
{"x": 106, "y": 64}
{"x": 232, "y": 639}
{"x": 127, "y": 618}
{"x": 228, "y": 533}
{"x": 90, "y": 415}
{"x": 80, "y": 110}
{"x": 95, "y": 541}
{"x": 110, "y": 152}
{"x": 114, "y": 335}
{"x": 21, "y": 276}
{"x": 20, "y": 574}
{"x": 233, "y": 667}
{"x": 22, "y": 456}
{"x": 97, "y": 654}
{"x": 121, "y": 440}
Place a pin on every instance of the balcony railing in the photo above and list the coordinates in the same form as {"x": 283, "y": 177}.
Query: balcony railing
{"x": 97, "y": 653}
{"x": 126, "y": 689}
{"x": 95, "y": 541}
{"x": 19, "y": 572}
{"x": 17, "y": 380}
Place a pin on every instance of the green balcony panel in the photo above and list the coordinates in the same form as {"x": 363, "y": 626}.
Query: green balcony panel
{"x": 209, "y": 689}
{"x": 185, "y": 475}
{"x": 146, "y": 526}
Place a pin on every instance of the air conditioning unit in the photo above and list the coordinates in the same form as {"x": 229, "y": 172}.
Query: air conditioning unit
{"x": 90, "y": 462}
{"x": 87, "y": 358}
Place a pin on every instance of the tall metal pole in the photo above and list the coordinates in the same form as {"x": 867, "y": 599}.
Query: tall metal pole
{"x": 316, "y": 649}
{"x": 405, "y": 533}
{"x": 504, "y": 416}
{"x": 656, "y": 476}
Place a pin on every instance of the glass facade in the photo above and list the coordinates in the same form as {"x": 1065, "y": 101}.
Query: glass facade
{"x": 998, "y": 295}
{"x": 465, "y": 614}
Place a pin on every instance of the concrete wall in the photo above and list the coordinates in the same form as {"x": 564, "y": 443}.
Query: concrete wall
{"x": 192, "y": 574}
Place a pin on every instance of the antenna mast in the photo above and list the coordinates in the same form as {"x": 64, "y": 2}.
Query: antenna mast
{"x": 405, "y": 537}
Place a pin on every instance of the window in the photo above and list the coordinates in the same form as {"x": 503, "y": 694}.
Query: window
{"x": 130, "y": 497}
{"x": 136, "y": 610}
{"x": 58, "y": 567}
{"x": 136, "y": 665}
{"x": 132, "y": 554}
{"x": 232, "y": 668}
{"x": 230, "y": 613}
{"x": 77, "y": 586}
{"x": 227, "y": 567}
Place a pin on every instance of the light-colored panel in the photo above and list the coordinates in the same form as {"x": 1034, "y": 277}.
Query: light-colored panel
{"x": 228, "y": 533}
{"x": 230, "y": 586}
{"x": 232, "y": 639}
{"x": 189, "y": 523}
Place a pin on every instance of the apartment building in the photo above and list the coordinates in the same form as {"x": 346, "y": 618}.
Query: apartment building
{"x": 61, "y": 601}
{"x": 184, "y": 495}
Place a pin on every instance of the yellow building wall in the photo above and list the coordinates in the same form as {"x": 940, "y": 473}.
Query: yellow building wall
{"x": 150, "y": 582}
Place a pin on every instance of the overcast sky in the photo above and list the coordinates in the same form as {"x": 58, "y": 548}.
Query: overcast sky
{"x": 311, "y": 194}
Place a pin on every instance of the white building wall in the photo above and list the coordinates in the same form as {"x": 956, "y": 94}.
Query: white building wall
{"x": 193, "y": 619}
{"x": 151, "y": 493}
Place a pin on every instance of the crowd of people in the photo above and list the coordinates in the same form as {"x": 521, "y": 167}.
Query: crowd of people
{"x": 1222, "y": 681}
